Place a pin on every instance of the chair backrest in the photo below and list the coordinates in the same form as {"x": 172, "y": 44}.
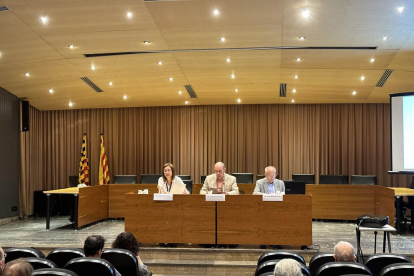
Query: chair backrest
{"x": 203, "y": 178}
{"x": 123, "y": 260}
{"x": 398, "y": 270}
{"x": 150, "y": 178}
{"x": 189, "y": 185}
{"x": 378, "y": 261}
{"x": 53, "y": 272}
{"x": 185, "y": 177}
{"x": 22, "y": 252}
{"x": 269, "y": 267}
{"x": 40, "y": 263}
{"x": 308, "y": 178}
{"x": 333, "y": 179}
{"x": 279, "y": 255}
{"x": 91, "y": 266}
{"x": 341, "y": 268}
{"x": 364, "y": 179}
{"x": 318, "y": 260}
{"x": 243, "y": 178}
{"x": 125, "y": 179}
{"x": 61, "y": 256}
{"x": 73, "y": 180}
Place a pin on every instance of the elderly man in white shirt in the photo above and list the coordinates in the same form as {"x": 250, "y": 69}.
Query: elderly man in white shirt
{"x": 269, "y": 184}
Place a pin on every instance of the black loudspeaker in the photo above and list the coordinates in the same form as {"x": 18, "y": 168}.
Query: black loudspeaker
{"x": 25, "y": 115}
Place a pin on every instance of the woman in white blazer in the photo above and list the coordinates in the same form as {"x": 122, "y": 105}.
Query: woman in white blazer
{"x": 168, "y": 183}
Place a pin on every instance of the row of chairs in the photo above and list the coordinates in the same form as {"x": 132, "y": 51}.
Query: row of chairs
{"x": 323, "y": 264}
{"x": 336, "y": 179}
{"x": 73, "y": 259}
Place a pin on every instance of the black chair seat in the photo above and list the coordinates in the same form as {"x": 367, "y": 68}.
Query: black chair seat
{"x": 341, "y": 268}
{"x": 243, "y": 178}
{"x": 203, "y": 178}
{"x": 318, "y": 260}
{"x": 364, "y": 179}
{"x": 279, "y": 255}
{"x": 123, "y": 260}
{"x": 40, "y": 263}
{"x": 125, "y": 179}
{"x": 22, "y": 252}
{"x": 61, "y": 256}
{"x": 378, "y": 261}
{"x": 308, "y": 178}
{"x": 184, "y": 177}
{"x": 91, "y": 266}
{"x": 398, "y": 270}
{"x": 150, "y": 178}
{"x": 333, "y": 179}
{"x": 269, "y": 267}
{"x": 189, "y": 185}
{"x": 54, "y": 272}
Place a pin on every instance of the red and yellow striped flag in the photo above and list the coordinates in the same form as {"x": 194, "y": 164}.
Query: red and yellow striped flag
{"x": 103, "y": 165}
{"x": 83, "y": 166}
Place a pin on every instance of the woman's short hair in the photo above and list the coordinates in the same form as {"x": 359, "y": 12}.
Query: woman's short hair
{"x": 172, "y": 170}
{"x": 288, "y": 267}
{"x": 127, "y": 241}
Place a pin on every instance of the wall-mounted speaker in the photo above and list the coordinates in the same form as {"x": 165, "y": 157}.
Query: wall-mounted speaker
{"x": 25, "y": 116}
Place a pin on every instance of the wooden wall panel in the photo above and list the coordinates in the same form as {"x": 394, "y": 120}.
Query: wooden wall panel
{"x": 93, "y": 204}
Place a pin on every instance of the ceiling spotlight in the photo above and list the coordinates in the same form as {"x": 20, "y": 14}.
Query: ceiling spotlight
{"x": 110, "y": 83}
{"x": 146, "y": 42}
{"x": 159, "y": 62}
{"x": 400, "y": 9}
{"x": 301, "y": 37}
{"x": 44, "y": 19}
{"x": 384, "y": 37}
{"x": 305, "y": 13}
{"x": 232, "y": 76}
{"x": 294, "y": 90}
{"x": 186, "y": 102}
{"x": 179, "y": 92}
{"x": 298, "y": 59}
{"x": 171, "y": 79}
{"x": 296, "y": 76}
{"x": 216, "y": 12}
{"x": 293, "y": 101}
{"x": 71, "y": 46}
{"x": 372, "y": 59}
{"x": 70, "y": 104}
{"x": 27, "y": 74}
{"x": 236, "y": 90}
{"x": 228, "y": 60}
{"x": 222, "y": 39}
{"x": 50, "y": 90}
{"x": 354, "y": 93}
{"x": 93, "y": 67}
{"x": 362, "y": 78}
{"x": 125, "y": 97}
{"x": 238, "y": 100}
{"x": 129, "y": 14}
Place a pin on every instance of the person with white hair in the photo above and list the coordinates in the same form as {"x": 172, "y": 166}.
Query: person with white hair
{"x": 220, "y": 182}
{"x": 344, "y": 252}
{"x": 288, "y": 267}
{"x": 269, "y": 184}
{"x": 2, "y": 260}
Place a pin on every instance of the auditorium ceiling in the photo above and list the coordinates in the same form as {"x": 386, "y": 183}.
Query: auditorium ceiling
{"x": 228, "y": 51}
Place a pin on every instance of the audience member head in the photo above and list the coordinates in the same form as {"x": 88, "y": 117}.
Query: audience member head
{"x": 2, "y": 259}
{"x": 219, "y": 170}
{"x": 270, "y": 173}
{"x": 168, "y": 171}
{"x": 344, "y": 252}
{"x": 93, "y": 246}
{"x": 18, "y": 267}
{"x": 126, "y": 240}
{"x": 288, "y": 267}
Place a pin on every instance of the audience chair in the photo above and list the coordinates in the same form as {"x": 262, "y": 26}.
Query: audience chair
{"x": 243, "y": 178}
{"x": 61, "y": 256}
{"x": 189, "y": 185}
{"x": 333, "y": 179}
{"x": 91, "y": 266}
{"x": 40, "y": 263}
{"x": 318, "y": 260}
{"x": 203, "y": 178}
{"x": 22, "y": 252}
{"x": 53, "y": 272}
{"x": 341, "y": 268}
{"x": 279, "y": 255}
{"x": 378, "y": 261}
{"x": 123, "y": 260}
{"x": 364, "y": 179}
{"x": 126, "y": 179}
{"x": 185, "y": 177}
{"x": 269, "y": 267}
{"x": 73, "y": 180}
{"x": 150, "y": 178}
{"x": 398, "y": 270}
{"x": 308, "y": 178}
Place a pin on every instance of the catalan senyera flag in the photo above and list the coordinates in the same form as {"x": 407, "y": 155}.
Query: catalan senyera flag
{"x": 83, "y": 166}
{"x": 103, "y": 165}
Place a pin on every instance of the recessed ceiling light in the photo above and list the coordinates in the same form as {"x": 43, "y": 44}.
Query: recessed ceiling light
{"x": 186, "y": 102}
{"x": 70, "y": 104}
{"x": 93, "y": 67}
{"x": 146, "y": 42}
{"x": 171, "y": 79}
{"x": 298, "y": 59}
{"x": 294, "y": 90}
{"x": 362, "y": 78}
{"x": 129, "y": 14}
{"x": 125, "y": 97}
{"x": 44, "y": 19}
{"x": 50, "y": 90}
{"x": 179, "y": 92}
{"x": 301, "y": 37}
{"x": 354, "y": 93}
{"x": 110, "y": 83}
{"x": 223, "y": 39}
{"x": 305, "y": 13}
{"x": 236, "y": 90}
{"x": 159, "y": 62}
{"x": 384, "y": 37}
{"x": 372, "y": 59}
{"x": 27, "y": 74}
{"x": 296, "y": 76}
{"x": 228, "y": 60}
{"x": 232, "y": 76}
{"x": 71, "y": 46}
{"x": 400, "y": 9}
{"x": 238, "y": 100}
{"x": 293, "y": 101}
{"x": 216, "y": 12}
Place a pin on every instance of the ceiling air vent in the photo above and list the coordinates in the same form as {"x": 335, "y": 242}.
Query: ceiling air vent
{"x": 91, "y": 84}
{"x": 4, "y": 8}
{"x": 384, "y": 78}
{"x": 190, "y": 91}
{"x": 282, "y": 92}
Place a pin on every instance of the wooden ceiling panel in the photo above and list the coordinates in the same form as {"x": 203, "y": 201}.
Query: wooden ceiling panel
{"x": 398, "y": 82}
{"x": 404, "y": 60}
